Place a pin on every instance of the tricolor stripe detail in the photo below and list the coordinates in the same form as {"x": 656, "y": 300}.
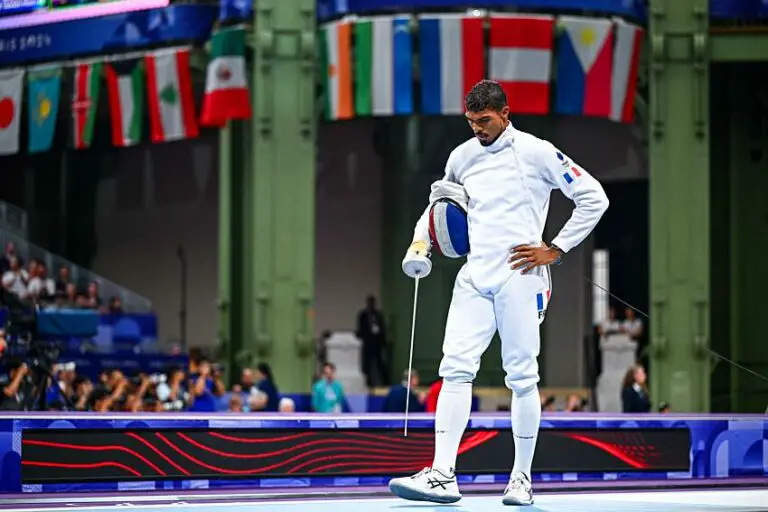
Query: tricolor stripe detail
{"x": 438, "y": 230}
{"x": 570, "y": 175}
{"x": 452, "y": 61}
{"x": 626, "y": 62}
{"x": 520, "y": 59}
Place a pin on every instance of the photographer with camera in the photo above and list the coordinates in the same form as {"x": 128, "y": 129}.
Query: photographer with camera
{"x": 205, "y": 384}
{"x": 15, "y": 386}
{"x": 171, "y": 392}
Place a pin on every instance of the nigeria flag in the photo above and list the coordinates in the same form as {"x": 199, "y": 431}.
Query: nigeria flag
{"x": 169, "y": 91}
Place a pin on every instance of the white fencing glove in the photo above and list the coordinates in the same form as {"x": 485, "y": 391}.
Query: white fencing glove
{"x": 416, "y": 262}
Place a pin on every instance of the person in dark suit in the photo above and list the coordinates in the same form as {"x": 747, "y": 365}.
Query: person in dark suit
{"x": 372, "y": 332}
{"x": 634, "y": 391}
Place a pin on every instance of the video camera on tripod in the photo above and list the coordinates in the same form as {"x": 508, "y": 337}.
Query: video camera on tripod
{"x": 24, "y": 339}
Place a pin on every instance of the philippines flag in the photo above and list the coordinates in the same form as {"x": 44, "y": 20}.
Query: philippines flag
{"x": 584, "y": 67}
{"x": 520, "y": 58}
{"x": 452, "y": 61}
{"x": 626, "y": 61}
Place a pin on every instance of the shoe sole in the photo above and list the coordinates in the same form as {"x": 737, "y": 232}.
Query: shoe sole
{"x": 515, "y": 503}
{"x": 409, "y": 494}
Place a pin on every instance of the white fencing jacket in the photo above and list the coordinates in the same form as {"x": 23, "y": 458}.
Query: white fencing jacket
{"x": 509, "y": 185}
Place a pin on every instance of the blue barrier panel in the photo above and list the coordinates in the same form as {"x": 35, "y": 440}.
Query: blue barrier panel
{"x": 713, "y": 446}
{"x": 119, "y": 32}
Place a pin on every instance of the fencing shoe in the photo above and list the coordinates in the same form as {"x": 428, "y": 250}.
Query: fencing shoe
{"x": 428, "y": 485}
{"x": 519, "y": 490}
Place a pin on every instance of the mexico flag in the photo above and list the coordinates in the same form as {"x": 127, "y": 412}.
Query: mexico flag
{"x": 125, "y": 82}
{"x": 226, "y": 88}
{"x": 85, "y": 99}
{"x": 169, "y": 91}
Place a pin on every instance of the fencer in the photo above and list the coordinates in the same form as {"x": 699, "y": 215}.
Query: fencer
{"x": 508, "y": 176}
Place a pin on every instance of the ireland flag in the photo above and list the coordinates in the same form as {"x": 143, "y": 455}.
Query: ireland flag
{"x": 226, "y": 88}
{"x": 171, "y": 105}
{"x": 125, "y": 82}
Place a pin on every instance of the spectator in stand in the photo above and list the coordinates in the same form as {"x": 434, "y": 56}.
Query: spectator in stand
{"x": 610, "y": 325}
{"x": 287, "y": 405}
{"x": 10, "y": 254}
{"x": 92, "y": 299}
{"x": 247, "y": 381}
{"x": 40, "y": 286}
{"x": 574, "y": 403}
{"x": 634, "y": 391}
{"x": 15, "y": 278}
{"x": 547, "y": 403}
{"x": 115, "y": 306}
{"x": 432, "y": 395}
{"x": 265, "y": 393}
{"x": 205, "y": 386}
{"x": 328, "y": 393}
{"x": 235, "y": 403}
{"x": 632, "y": 325}
{"x": 83, "y": 388}
{"x": 69, "y": 298}
{"x": 665, "y": 408}
{"x": 172, "y": 394}
{"x": 396, "y": 398}
{"x": 63, "y": 281}
{"x": 15, "y": 386}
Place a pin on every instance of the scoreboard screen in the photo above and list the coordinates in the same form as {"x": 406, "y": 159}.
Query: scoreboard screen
{"x": 27, "y": 13}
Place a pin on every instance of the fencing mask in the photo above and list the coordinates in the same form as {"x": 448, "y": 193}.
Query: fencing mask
{"x": 448, "y": 228}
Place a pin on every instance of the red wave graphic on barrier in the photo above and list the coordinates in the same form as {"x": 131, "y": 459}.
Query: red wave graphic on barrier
{"x": 303, "y": 446}
{"x": 608, "y": 448}
{"x": 73, "y": 465}
{"x": 123, "y": 449}
{"x": 158, "y": 452}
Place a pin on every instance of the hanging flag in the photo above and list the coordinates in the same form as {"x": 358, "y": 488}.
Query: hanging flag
{"x": 43, "y": 100}
{"x": 169, "y": 90}
{"x": 226, "y": 87}
{"x": 584, "y": 60}
{"x": 85, "y": 100}
{"x": 626, "y": 61}
{"x": 11, "y": 92}
{"x": 452, "y": 60}
{"x": 520, "y": 58}
{"x": 336, "y": 62}
{"x": 383, "y": 66}
{"x": 125, "y": 85}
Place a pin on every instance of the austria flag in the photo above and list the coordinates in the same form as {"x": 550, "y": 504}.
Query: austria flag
{"x": 584, "y": 65}
{"x": 521, "y": 60}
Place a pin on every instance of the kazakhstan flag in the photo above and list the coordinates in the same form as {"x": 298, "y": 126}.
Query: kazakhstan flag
{"x": 43, "y": 98}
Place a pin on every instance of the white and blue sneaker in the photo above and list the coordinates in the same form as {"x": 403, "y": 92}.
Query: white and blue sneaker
{"x": 519, "y": 490}
{"x": 429, "y": 484}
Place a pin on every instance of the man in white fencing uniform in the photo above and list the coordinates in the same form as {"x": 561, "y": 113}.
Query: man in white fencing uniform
{"x": 508, "y": 176}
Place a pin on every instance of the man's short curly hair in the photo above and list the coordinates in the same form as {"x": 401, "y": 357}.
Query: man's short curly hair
{"x": 486, "y": 95}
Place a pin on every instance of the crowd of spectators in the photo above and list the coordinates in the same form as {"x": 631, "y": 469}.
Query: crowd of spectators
{"x": 29, "y": 283}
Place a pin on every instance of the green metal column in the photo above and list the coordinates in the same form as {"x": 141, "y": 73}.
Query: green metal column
{"x": 679, "y": 203}
{"x": 280, "y": 193}
{"x": 233, "y": 162}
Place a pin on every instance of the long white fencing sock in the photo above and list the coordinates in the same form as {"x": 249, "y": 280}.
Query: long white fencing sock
{"x": 451, "y": 417}
{"x": 526, "y": 417}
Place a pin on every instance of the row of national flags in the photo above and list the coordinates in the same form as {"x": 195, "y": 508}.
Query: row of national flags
{"x": 587, "y": 68}
{"x": 158, "y": 83}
